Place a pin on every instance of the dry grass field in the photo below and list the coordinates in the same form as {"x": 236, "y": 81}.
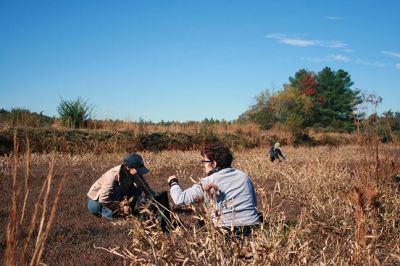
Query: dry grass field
{"x": 324, "y": 206}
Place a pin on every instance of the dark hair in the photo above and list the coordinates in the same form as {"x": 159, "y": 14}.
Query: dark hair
{"x": 218, "y": 152}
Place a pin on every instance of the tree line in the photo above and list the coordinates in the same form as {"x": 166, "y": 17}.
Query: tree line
{"x": 323, "y": 100}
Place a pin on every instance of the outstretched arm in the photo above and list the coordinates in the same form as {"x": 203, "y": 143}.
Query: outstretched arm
{"x": 146, "y": 187}
{"x": 187, "y": 196}
{"x": 279, "y": 151}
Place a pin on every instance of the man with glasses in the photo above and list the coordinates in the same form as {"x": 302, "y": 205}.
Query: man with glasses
{"x": 229, "y": 192}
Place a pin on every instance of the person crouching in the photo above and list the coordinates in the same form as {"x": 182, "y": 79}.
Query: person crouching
{"x": 125, "y": 180}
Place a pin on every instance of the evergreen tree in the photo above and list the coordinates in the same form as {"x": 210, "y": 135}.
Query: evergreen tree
{"x": 305, "y": 81}
{"x": 337, "y": 101}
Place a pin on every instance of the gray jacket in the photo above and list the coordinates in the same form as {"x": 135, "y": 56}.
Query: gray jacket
{"x": 233, "y": 204}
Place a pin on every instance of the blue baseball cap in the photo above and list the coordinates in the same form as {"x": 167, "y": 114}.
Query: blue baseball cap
{"x": 134, "y": 160}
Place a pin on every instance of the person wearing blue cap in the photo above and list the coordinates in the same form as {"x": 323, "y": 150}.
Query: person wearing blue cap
{"x": 122, "y": 180}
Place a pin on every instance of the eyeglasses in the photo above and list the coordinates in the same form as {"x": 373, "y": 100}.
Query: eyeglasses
{"x": 205, "y": 161}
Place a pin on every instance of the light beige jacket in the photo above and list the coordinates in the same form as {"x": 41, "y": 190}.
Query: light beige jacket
{"x": 102, "y": 189}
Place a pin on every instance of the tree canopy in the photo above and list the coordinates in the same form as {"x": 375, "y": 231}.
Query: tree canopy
{"x": 323, "y": 100}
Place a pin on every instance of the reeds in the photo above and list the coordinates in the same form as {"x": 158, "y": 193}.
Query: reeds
{"x": 323, "y": 206}
{"x": 319, "y": 208}
{"x": 26, "y": 249}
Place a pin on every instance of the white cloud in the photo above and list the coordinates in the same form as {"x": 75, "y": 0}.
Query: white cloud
{"x": 343, "y": 58}
{"x": 394, "y": 54}
{"x": 299, "y": 42}
{"x": 368, "y": 63}
{"x": 397, "y": 66}
{"x": 339, "y": 57}
{"x": 329, "y": 58}
{"x": 313, "y": 59}
{"x": 334, "y": 18}
{"x": 336, "y": 44}
{"x": 285, "y": 39}
{"x": 275, "y": 36}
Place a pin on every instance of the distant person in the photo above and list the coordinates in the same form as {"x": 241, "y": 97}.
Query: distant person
{"x": 275, "y": 153}
{"x": 122, "y": 180}
{"x": 229, "y": 191}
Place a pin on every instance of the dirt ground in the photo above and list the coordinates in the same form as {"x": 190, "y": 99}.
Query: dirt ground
{"x": 76, "y": 236}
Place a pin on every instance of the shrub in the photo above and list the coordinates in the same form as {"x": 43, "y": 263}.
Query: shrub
{"x": 74, "y": 113}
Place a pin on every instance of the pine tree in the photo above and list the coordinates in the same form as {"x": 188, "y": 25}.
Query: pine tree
{"x": 337, "y": 100}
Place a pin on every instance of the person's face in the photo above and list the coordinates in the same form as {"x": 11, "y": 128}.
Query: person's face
{"x": 132, "y": 171}
{"x": 208, "y": 164}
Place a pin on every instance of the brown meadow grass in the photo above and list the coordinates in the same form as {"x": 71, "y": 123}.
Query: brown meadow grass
{"x": 17, "y": 243}
{"x": 325, "y": 205}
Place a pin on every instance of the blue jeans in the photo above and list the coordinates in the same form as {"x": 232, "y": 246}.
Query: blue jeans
{"x": 98, "y": 209}
{"x": 95, "y": 207}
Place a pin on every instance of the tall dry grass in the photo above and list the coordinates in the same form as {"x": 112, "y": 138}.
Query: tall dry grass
{"x": 325, "y": 205}
{"x": 21, "y": 248}
{"x": 318, "y": 209}
{"x": 176, "y": 127}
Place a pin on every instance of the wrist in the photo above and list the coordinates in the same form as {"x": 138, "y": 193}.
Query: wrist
{"x": 173, "y": 181}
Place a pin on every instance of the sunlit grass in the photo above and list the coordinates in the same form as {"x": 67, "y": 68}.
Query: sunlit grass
{"x": 325, "y": 205}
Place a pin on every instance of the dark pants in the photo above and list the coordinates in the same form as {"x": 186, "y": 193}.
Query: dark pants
{"x": 239, "y": 232}
{"x": 158, "y": 204}
{"x": 162, "y": 210}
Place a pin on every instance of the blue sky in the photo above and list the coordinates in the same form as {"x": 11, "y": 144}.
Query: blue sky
{"x": 188, "y": 60}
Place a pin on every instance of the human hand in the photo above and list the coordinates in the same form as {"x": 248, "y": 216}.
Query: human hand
{"x": 211, "y": 189}
{"x": 172, "y": 179}
{"x": 124, "y": 207}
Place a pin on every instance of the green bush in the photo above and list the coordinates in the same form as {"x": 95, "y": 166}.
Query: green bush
{"x": 74, "y": 113}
